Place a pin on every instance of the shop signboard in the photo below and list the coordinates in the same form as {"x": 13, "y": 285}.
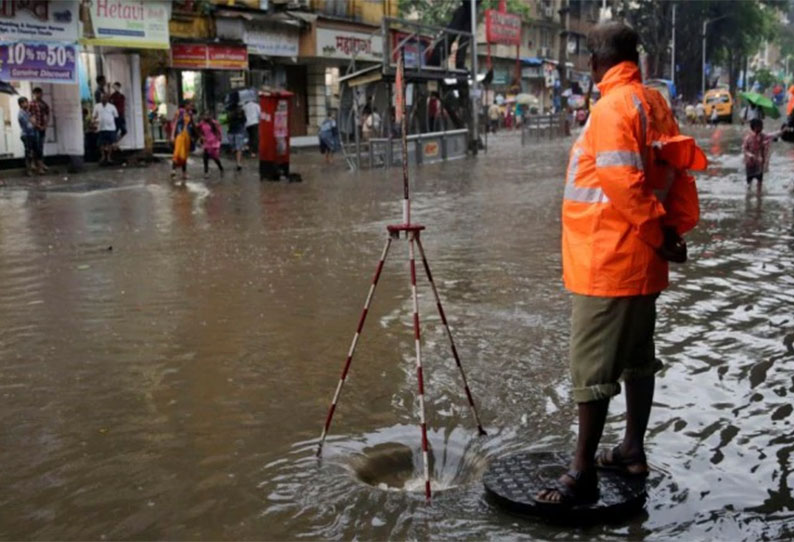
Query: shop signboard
{"x": 38, "y": 20}
{"x": 502, "y": 27}
{"x": 40, "y": 62}
{"x": 141, "y": 24}
{"x": 226, "y": 57}
{"x": 208, "y": 56}
{"x": 347, "y": 44}
{"x": 531, "y": 72}
{"x": 271, "y": 41}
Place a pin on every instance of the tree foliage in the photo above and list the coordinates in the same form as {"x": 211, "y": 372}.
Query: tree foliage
{"x": 738, "y": 29}
{"x": 439, "y": 12}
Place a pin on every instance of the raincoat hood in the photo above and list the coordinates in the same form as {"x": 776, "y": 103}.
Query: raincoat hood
{"x": 619, "y": 75}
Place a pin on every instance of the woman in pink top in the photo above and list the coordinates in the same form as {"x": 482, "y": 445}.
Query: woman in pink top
{"x": 210, "y": 133}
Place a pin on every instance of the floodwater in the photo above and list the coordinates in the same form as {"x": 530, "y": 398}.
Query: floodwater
{"x": 167, "y": 355}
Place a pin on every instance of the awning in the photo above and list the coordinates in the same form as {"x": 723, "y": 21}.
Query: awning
{"x": 531, "y": 60}
{"x": 361, "y": 77}
{"x": 276, "y": 18}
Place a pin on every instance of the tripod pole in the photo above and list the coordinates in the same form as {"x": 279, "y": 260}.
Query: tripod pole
{"x": 449, "y": 335}
{"x": 414, "y": 238}
{"x": 403, "y": 135}
{"x": 352, "y": 350}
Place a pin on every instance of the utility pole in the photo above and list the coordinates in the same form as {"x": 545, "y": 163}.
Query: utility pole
{"x": 705, "y": 29}
{"x": 475, "y": 88}
{"x": 672, "y": 53}
{"x": 562, "y": 58}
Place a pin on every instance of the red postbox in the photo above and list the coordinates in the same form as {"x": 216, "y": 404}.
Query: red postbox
{"x": 274, "y": 134}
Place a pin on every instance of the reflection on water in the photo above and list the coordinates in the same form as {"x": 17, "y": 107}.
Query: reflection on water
{"x": 168, "y": 355}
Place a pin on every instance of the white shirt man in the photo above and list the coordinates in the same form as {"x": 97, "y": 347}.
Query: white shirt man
{"x": 105, "y": 114}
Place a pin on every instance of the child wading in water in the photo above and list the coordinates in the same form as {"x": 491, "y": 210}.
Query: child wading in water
{"x": 210, "y": 133}
{"x": 756, "y": 151}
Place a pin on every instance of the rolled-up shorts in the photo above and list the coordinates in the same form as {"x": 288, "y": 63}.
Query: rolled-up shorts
{"x": 611, "y": 339}
{"x": 106, "y": 137}
{"x": 237, "y": 141}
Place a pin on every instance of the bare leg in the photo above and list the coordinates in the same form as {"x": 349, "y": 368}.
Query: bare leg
{"x": 639, "y": 398}
{"x": 592, "y": 417}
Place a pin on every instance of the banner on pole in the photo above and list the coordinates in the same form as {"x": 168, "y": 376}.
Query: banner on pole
{"x": 399, "y": 95}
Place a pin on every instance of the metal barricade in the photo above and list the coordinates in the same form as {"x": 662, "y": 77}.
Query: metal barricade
{"x": 538, "y": 127}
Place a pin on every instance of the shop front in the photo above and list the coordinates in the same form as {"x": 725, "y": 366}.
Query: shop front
{"x": 273, "y": 45}
{"x": 332, "y": 49}
{"x": 206, "y": 72}
{"x": 38, "y": 48}
{"x": 116, "y": 34}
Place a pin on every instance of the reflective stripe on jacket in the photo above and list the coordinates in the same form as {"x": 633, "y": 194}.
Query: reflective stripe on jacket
{"x": 618, "y": 186}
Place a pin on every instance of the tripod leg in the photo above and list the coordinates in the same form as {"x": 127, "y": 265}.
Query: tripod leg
{"x": 419, "y": 376}
{"x": 449, "y": 335}
{"x": 352, "y": 350}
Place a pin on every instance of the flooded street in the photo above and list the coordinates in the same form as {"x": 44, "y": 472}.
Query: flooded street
{"x": 167, "y": 355}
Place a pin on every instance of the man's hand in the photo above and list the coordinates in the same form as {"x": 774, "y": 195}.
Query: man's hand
{"x": 673, "y": 247}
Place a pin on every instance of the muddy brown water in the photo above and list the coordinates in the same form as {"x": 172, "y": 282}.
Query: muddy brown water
{"x": 174, "y": 386}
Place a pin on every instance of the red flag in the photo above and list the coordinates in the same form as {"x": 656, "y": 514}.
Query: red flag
{"x": 399, "y": 95}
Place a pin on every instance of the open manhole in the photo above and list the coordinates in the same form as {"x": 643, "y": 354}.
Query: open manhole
{"x": 393, "y": 466}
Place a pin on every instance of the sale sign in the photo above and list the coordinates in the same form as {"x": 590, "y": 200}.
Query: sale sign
{"x": 41, "y": 62}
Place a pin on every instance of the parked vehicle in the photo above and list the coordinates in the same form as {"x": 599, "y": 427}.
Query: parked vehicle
{"x": 722, "y": 100}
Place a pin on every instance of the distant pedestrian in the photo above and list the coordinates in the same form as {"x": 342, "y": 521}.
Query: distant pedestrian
{"x": 366, "y": 123}
{"x": 373, "y": 123}
{"x": 29, "y": 136}
{"x": 210, "y": 138}
{"x": 182, "y": 129}
{"x": 700, "y": 113}
{"x": 40, "y": 116}
{"x": 690, "y": 113}
{"x": 105, "y": 115}
{"x": 493, "y": 117}
{"x": 119, "y": 101}
{"x": 329, "y": 137}
{"x": 434, "y": 108}
{"x": 101, "y": 88}
{"x": 756, "y": 149}
{"x": 252, "y": 112}
{"x": 236, "y": 118}
{"x": 714, "y": 119}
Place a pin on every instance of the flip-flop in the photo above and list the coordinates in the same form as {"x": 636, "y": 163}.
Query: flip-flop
{"x": 572, "y": 495}
{"x": 628, "y": 466}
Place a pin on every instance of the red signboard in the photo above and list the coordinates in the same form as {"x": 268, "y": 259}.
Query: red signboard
{"x": 227, "y": 57}
{"x": 189, "y": 56}
{"x": 502, "y": 27}
{"x": 201, "y": 56}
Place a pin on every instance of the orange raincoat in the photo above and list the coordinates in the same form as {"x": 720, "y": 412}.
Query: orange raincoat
{"x": 626, "y": 179}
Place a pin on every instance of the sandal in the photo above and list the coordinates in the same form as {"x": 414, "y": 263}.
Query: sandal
{"x": 614, "y": 460}
{"x": 582, "y": 490}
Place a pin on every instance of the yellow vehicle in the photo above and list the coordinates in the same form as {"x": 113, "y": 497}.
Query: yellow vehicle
{"x": 721, "y": 99}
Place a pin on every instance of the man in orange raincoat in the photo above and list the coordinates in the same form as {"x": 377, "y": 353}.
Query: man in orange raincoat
{"x": 627, "y": 201}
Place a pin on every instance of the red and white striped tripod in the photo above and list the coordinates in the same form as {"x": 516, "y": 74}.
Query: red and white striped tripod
{"x": 412, "y": 235}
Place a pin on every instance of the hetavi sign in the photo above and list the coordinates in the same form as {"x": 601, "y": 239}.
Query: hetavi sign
{"x": 141, "y": 24}
{"x": 38, "y": 20}
{"x": 42, "y": 62}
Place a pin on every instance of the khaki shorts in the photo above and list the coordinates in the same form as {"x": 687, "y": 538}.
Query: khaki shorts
{"x": 611, "y": 338}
